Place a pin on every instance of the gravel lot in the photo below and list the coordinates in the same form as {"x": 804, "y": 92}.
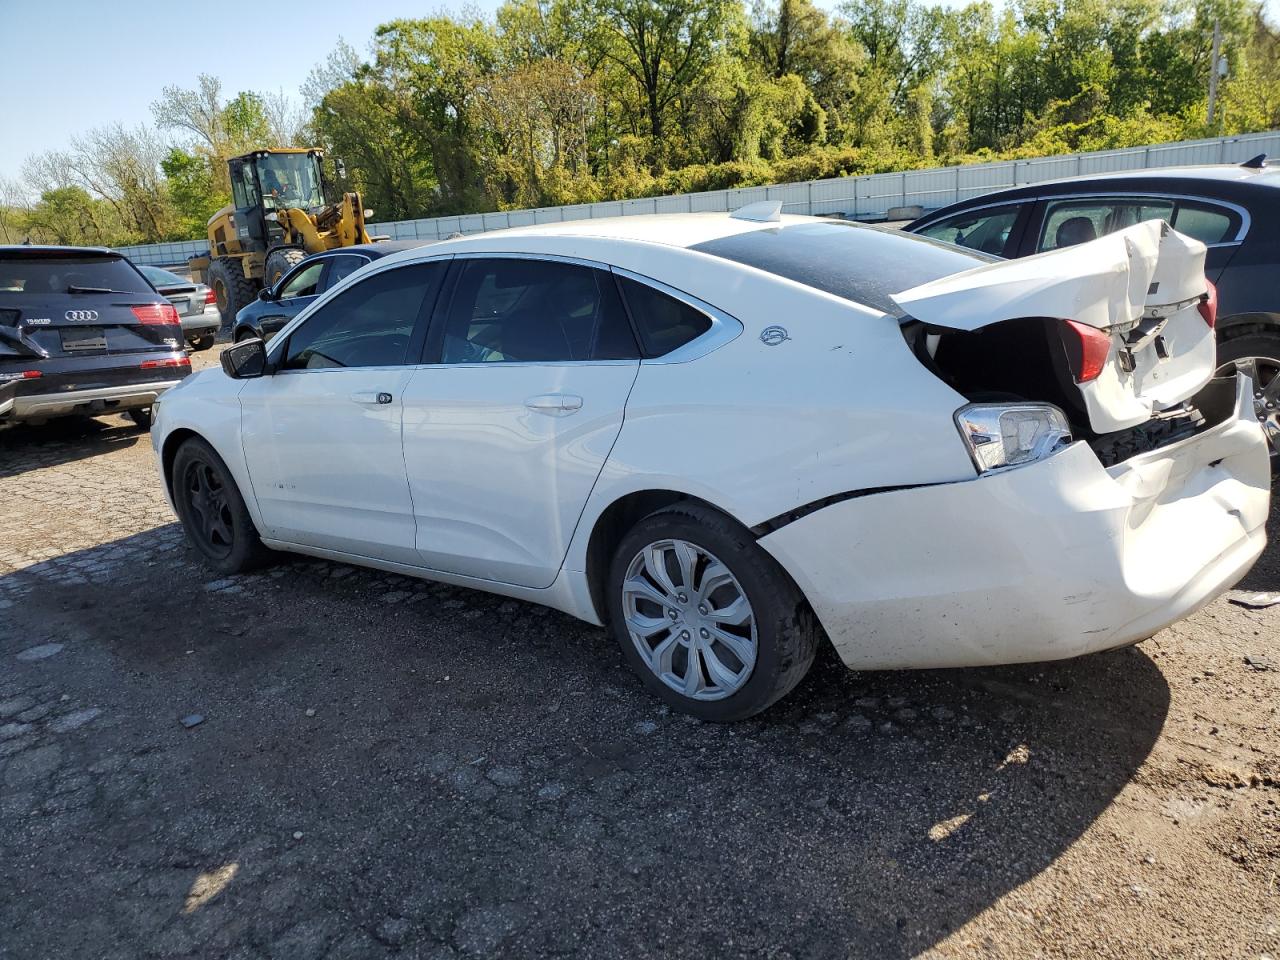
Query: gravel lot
{"x": 391, "y": 767}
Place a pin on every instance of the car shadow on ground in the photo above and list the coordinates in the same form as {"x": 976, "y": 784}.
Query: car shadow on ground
{"x": 64, "y": 440}
{"x": 483, "y": 775}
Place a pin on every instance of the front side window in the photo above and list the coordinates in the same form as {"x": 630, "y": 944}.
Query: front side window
{"x": 985, "y": 230}
{"x": 303, "y": 282}
{"x": 342, "y": 267}
{"x": 1069, "y": 222}
{"x": 367, "y": 325}
{"x": 243, "y": 187}
{"x": 521, "y": 310}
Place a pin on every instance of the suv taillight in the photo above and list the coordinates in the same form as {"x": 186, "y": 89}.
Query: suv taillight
{"x": 210, "y": 297}
{"x": 1209, "y": 305}
{"x": 170, "y": 362}
{"x": 1087, "y": 349}
{"x": 155, "y": 314}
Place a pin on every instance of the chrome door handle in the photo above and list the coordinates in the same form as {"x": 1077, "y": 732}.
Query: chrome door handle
{"x": 371, "y": 396}
{"x": 555, "y": 404}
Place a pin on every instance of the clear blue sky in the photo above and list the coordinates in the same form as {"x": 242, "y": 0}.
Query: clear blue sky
{"x": 70, "y": 65}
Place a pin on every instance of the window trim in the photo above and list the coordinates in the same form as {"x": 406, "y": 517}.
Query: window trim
{"x": 1246, "y": 221}
{"x": 433, "y": 347}
{"x": 724, "y": 328}
{"x": 332, "y": 258}
{"x": 1023, "y": 210}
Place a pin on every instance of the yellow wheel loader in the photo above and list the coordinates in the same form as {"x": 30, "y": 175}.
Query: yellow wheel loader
{"x": 278, "y": 215}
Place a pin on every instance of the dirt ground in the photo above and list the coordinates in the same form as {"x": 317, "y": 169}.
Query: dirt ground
{"x": 387, "y": 767}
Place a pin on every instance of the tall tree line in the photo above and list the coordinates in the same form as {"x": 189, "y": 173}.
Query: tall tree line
{"x": 571, "y": 101}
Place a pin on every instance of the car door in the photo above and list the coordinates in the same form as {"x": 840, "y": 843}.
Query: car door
{"x": 296, "y": 290}
{"x": 995, "y": 230}
{"x": 508, "y": 425}
{"x": 321, "y": 432}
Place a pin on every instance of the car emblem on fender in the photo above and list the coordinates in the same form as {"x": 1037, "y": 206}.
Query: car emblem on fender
{"x": 772, "y": 336}
{"x": 82, "y": 314}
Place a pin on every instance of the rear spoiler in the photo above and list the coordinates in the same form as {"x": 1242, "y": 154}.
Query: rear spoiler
{"x": 1112, "y": 281}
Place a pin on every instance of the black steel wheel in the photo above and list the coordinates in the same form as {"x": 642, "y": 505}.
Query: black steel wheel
{"x": 213, "y": 513}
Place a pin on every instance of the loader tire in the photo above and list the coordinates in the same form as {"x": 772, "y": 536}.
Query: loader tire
{"x": 280, "y": 261}
{"x": 232, "y": 290}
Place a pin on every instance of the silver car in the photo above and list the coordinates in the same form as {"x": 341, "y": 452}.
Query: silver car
{"x": 194, "y": 302}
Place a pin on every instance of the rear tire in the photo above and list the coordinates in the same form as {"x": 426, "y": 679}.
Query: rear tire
{"x": 280, "y": 261}
{"x": 1258, "y": 354}
{"x": 204, "y": 343}
{"x": 712, "y": 567}
{"x": 232, "y": 290}
{"x": 213, "y": 513}
{"x": 141, "y": 418}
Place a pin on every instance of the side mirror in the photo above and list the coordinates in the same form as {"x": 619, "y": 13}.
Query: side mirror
{"x": 245, "y": 360}
{"x": 267, "y": 293}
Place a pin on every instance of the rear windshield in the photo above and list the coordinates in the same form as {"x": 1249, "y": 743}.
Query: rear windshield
{"x": 68, "y": 275}
{"x": 161, "y": 278}
{"x": 849, "y": 260}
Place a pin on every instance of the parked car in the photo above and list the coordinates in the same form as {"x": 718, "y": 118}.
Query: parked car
{"x": 1233, "y": 209}
{"x": 278, "y": 304}
{"x": 82, "y": 332}
{"x": 726, "y": 435}
{"x": 197, "y": 310}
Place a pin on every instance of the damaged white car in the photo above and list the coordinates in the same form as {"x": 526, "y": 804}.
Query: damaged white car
{"x": 728, "y": 437}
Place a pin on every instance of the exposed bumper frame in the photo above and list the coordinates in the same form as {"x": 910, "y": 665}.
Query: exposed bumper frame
{"x": 98, "y": 400}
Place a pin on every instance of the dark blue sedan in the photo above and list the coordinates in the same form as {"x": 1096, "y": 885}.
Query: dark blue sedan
{"x": 278, "y": 304}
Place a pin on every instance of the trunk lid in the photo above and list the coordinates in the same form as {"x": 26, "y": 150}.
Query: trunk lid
{"x": 59, "y": 303}
{"x": 1141, "y": 286}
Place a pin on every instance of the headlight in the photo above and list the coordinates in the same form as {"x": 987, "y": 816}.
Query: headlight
{"x": 1010, "y": 434}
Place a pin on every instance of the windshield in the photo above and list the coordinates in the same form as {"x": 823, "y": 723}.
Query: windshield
{"x": 290, "y": 180}
{"x": 70, "y": 274}
{"x": 852, "y": 261}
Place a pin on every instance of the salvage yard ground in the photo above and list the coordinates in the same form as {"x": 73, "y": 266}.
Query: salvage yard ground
{"x": 387, "y": 767}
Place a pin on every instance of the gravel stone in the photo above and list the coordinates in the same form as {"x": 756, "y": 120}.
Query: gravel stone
{"x": 41, "y": 652}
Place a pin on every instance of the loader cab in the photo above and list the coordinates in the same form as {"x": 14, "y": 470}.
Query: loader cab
{"x": 266, "y": 181}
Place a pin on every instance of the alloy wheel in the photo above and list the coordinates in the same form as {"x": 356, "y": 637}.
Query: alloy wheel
{"x": 690, "y": 620}
{"x": 210, "y": 508}
{"x": 1265, "y": 374}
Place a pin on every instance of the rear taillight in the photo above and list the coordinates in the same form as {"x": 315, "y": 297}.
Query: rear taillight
{"x": 209, "y": 297}
{"x": 20, "y": 375}
{"x": 170, "y": 362}
{"x": 155, "y": 314}
{"x": 1087, "y": 349}
{"x": 1209, "y": 305}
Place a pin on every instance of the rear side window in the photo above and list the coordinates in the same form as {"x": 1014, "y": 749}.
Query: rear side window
{"x": 1070, "y": 222}
{"x": 519, "y": 310}
{"x": 368, "y": 325}
{"x": 47, "y": 275}
{"x": 663, "y": 322}
{"x": 848, "y": 260}
{"x": 1206, "y": 223}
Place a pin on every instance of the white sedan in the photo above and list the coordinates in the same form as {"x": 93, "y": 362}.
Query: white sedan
{"x": 730, "y": 436}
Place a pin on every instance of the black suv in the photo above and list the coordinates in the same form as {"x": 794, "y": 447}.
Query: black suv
{"x": 1234, "y": 210}
{"x": 82, "y": 332}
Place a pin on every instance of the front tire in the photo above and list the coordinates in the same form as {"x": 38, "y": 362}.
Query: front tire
{"x": 213, "y": 514}
{"x": 205, "y": 342}
{"x": 711, "y": 623}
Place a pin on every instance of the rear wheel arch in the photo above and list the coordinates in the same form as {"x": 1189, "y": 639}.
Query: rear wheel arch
{"x": 1245, "y": 324}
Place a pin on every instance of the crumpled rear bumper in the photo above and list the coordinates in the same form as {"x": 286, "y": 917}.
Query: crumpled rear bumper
{"x": 1052, "y": 560}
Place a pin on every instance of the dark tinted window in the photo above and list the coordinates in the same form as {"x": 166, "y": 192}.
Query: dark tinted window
{"x": 534, "y": 310}
{"x": 1069, "y": 222}
{"x": 61, "y": 275}
{"x": 369, "y": 325}
{"x": 663, "y": 322}
{"x": 848, "y": 260}
{"x": 985, "y": 230}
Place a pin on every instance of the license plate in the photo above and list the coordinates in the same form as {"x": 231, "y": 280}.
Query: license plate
{"x": 84, "y": 338}
{"x": 181, "y": 304}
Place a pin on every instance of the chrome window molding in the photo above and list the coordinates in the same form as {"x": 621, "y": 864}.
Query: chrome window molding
{"x": 724, "y": 328}
{"x": 1245, "y": 220}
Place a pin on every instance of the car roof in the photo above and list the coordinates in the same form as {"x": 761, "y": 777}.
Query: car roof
{"x": 35, "y": 250}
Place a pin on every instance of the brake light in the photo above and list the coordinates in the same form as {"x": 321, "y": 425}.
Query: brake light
{"x": 20, "y": 375}
{"x": 170, "y": 362}
{"x": 155, "y": 314}
{"x": 209, "y": 297}
{"x": 1209, "y": 305}
{"x": 31, "y": 374}
{"x": 1087, "y": 349}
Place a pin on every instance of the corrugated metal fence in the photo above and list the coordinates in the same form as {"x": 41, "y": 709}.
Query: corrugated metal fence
{"x": 856, "y": 198}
